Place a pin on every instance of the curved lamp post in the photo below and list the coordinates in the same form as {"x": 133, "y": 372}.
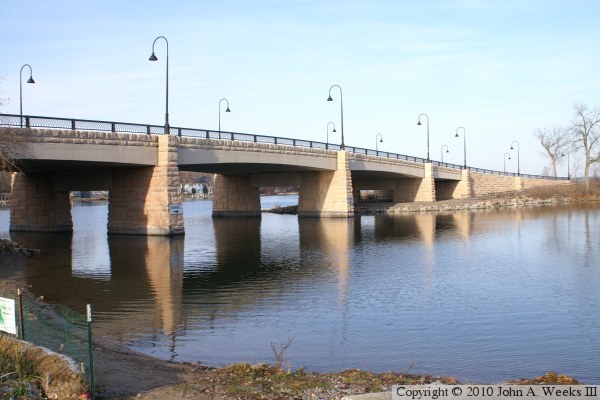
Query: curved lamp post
{"x": 447, "y": 151}
{"x": 154, "y": 58}
{"x": 30, "y": 80}
{"x": 327, "y": 143}
{"x": 464, "y": 145}
{"x": 380, "y": 136}
{"x": 518, "y": 156}
{"x": 506, "y": 154}
{"x": 226, "y": 110}
{"x": 568, "y": 164}
{"x": 342, "y": 146}
{"x": 419, "y": 123}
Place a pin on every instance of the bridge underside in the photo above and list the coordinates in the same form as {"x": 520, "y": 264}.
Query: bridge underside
{"x": 323, "y": 193}
{"x": 140, "y": 202}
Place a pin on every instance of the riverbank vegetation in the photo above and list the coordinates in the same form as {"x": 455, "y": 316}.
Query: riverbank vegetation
{"x": 29, "y": 372}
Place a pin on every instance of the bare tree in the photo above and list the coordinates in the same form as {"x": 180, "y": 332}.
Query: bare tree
{"x": 585, "y": 132}
{"x": 11, "y": 141}
{"x": 553, "y": 141}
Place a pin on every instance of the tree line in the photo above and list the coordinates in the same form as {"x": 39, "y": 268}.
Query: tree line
{"x": 580, "y": 136}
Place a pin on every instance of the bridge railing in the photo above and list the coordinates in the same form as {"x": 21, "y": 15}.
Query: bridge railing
{"x": 29, "y": 121}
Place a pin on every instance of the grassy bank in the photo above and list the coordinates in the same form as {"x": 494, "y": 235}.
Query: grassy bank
{"x": 29, "y": 372}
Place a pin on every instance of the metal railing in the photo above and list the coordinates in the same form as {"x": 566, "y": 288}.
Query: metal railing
{"x": 29, "y": 121}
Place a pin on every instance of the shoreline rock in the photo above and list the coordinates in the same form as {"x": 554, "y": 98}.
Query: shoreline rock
{"x": 9, "y": 247}
{"x": 440, "y": 206}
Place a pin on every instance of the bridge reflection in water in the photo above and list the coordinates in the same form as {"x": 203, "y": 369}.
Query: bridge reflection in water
{"x": 230, "y": 286}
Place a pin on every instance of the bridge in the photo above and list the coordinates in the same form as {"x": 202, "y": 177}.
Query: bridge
{"x": 139, "y": 165}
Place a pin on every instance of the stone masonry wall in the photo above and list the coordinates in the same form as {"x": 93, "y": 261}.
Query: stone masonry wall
{"x": 445, "y": 190}
{"x": 482, "y": 184}
{"x": 140, "y": 197}
{"x": 414, "y": 189}
{"x": 327, "y": 194}
{"x": 221, "y": 144}
{"x": 36, "y": 207}
{"x": 234, "y": 196}
{"x": 88, "y": 137}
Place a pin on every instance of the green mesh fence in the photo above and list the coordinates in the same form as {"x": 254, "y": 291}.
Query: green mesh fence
{"x": 61, "y": 330}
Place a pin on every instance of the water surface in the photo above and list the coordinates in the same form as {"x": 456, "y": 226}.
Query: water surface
{"x": 483, "y": 296}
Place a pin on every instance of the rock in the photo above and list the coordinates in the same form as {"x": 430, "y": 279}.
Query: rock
{"x": 10, "y": 247}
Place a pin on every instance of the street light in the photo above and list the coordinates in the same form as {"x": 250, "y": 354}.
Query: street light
{"x": 568, "y": 164}
{"x": 419, "y": 123}
{"x": 506, "y": 154}
{"x": 464, "y": 145}
{"x": 327, "y": 143}
{"x": 342, "y": 147}
{"x": 227, "y": 110}
{"x": 447, "y": 151}
{"x": 380, "y": 136}
{"x": 518, "y": 156}
{"x": 154, "y": 58}
{"x": 30, "y": 80}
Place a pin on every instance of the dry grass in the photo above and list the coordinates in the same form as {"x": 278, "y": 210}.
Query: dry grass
{"x": 28, "y": 370}
{"x": 573, "y": 191}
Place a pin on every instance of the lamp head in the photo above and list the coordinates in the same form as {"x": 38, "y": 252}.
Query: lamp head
{"x": 380, "y": 140}
{"x": 30, "y": 80}
{"x": 333, "y": 130}
{"x": 228, "y": 110}
{"x": 329, "y": 98}
{"x": 509, "y": 158}
{"x": 419, "y": 122}
{"x": 447, "y": 151}
{"x": 153, "y": 57}
{"x": 456, "y": 135}
{"x": 511, "y": 147}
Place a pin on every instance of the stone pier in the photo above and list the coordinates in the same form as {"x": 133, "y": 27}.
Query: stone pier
{"x": 413, "y": 189}
{"x": 327, "y": 193}
{"x": 36, "y": 206}
{"x": 147, "y": 200}
{"x": 234, "y": 196}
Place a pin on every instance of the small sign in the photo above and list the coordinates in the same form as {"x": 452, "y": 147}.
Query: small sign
{"x": 8, "y": 317}
{"x": 175, "y": 209}
{"x": 350, "y": 200}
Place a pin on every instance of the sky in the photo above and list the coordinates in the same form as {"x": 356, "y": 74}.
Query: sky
{"x": 500, "y": 69}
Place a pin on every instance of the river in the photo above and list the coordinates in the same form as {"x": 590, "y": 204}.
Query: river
{"x": 482, "y": 296}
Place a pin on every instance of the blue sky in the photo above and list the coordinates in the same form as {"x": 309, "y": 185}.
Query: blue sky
{"x": 498, "y": 68}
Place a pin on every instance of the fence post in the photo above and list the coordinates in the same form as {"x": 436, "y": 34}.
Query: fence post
{"x": 112, "y": 127}
{"x": 72, "y": 124}
{"x": 148, "y": 129}
{"x": 90, "y": 351}
{"x": 27, "y": 122}
{"x": 21, "y": 317}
